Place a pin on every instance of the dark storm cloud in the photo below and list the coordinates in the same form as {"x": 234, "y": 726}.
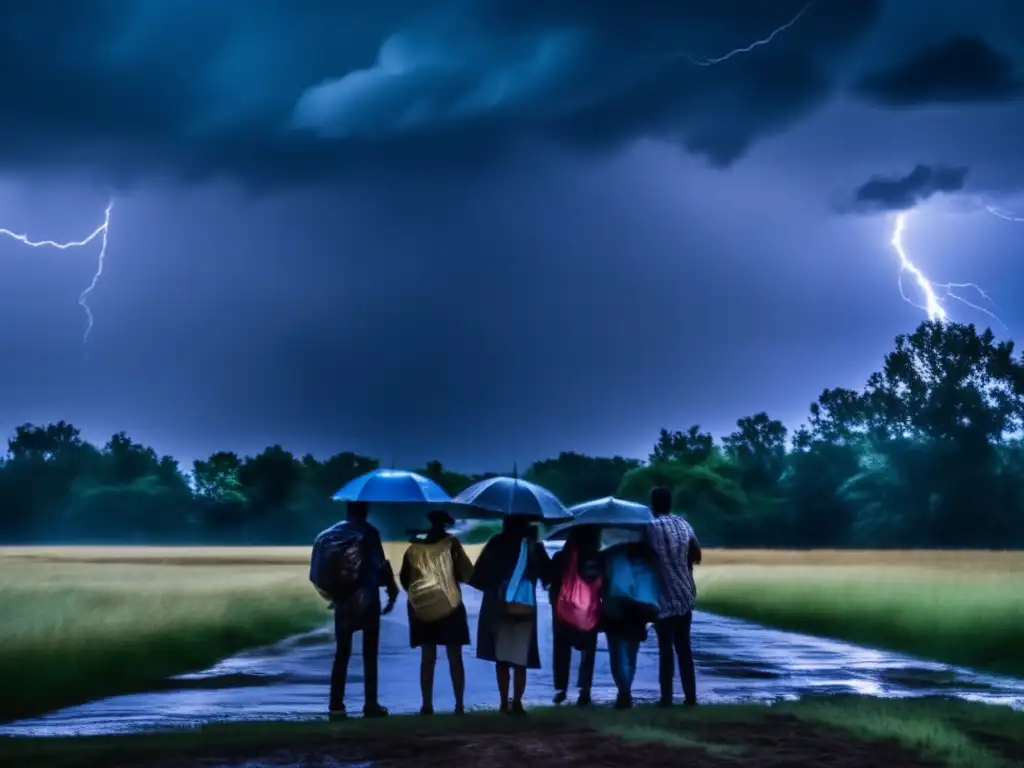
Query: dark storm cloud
{"x": 901, "y": 193}
{"x": 265, "y": 90}
{"x": 959, "y": 70}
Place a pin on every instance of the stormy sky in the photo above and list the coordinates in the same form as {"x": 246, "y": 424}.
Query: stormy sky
{"x": 486, "y": 231}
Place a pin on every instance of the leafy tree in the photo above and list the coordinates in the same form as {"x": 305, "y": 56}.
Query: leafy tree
{"x": 929, "y": 453}
{"x": 689, "y": 447}
{"x": 576, "y": 477}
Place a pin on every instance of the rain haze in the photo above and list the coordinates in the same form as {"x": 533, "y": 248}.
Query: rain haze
{"x": 485, "y": 232}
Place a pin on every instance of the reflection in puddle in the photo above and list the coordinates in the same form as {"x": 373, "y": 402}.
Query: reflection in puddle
{"x": 736, "y": 661}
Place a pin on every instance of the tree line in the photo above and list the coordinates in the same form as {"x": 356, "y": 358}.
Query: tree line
{"x": 929, "y": 453}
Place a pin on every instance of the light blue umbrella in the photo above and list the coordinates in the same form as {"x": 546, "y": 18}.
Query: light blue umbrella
{"x": 393, "y": 486}
{"x": 608, "y": 512}
{"x": 512, "y": 497}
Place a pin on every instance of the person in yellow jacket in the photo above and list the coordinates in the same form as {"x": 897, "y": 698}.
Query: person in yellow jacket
{"x": 433, "y": 568}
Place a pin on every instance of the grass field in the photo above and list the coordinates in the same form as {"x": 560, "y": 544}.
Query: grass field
{"x": 83, "y": 623}
{"x": 965, "y": 608}
{"x": 79, "y": 623}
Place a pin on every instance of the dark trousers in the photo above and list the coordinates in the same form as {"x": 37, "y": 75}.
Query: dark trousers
{"x": 343, "y": 632}
{"x": 622, "y": 654}
{"x": 674, "y": 641}
{"x": 563, "y": 645}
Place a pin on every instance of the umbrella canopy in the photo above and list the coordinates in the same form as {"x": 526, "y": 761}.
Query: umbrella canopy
{"x": 393, "y": 486}
{"x": 512, "y": 497}
{"x": 608, "y": 512}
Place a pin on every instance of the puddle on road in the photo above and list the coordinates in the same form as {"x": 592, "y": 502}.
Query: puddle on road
{"x": 736, "y": 662}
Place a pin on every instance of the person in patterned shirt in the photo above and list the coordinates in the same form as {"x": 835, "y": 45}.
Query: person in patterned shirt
{"x": 677, "y": 550}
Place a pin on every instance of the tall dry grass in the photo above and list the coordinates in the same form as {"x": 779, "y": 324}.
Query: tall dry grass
{"x": 84, "y": 623}
{"x": 964, "y": 607}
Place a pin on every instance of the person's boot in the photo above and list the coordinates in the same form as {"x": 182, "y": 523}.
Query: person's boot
{"x": 374, "y": 710}
{"x": 623, "y": 701}
{"x": 560, "y": 697}
{"x": 584, "y": 699}
{"x": 426, "y": 709}
{"x": 336, "y": 714}
{"x": 517, "y": 709}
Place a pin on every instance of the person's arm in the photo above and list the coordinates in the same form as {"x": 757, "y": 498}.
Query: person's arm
{"x": 554, "y": 567}
{"x": 405, "y": 573}
{"x": 483, "y": 568}
{"x": 387, "y": 574}
{"x": 694, "y": 552}
{"x": 541, "y": 562}
{"x": 463, "y": 565}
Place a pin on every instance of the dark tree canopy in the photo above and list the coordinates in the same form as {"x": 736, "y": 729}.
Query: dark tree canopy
{"x": 930, "y": 453}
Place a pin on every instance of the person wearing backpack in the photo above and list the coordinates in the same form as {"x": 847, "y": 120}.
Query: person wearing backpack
{"x": 677, "y": 550}
{"x": 630, "y": 600}
{"x": 349, "y": 567}
{"x": 432, "y": 568}
{"x": 574, "y": 590}
{"x": 506, "y": 572}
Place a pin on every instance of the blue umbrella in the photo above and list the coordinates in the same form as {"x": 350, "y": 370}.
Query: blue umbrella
{"x": 608, "y": 512}
{"x": 512, "y": 497}
{"x": 393, "y": 486}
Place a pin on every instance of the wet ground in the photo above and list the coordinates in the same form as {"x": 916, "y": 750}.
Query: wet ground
{"x": 736, "y": 661}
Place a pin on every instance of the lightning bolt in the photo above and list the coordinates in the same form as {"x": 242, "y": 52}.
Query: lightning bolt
{"x": 101, "y": 233}
{"x": 932, "y": 301}
{"x": 1003, "y": 214}
{"x": 756, "y": 44}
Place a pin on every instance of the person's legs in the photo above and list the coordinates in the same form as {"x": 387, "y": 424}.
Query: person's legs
{"x": 518, "y": 689}
{"x": 618, "y": 657}
{"x": 561, "y": 657}
{"x": 371, "y": 649}
{"x": 615, "y": 658}
{"x": 666, "y": 660}
{"x": 684, "y": 650}
{"x": 504, "y": 673}
{"x": 428, "y": 660}
{"x": 586, "y": 672}
{"x": 339, "y": 670}
{"x": 631, "y": 653}
{"x": 458, "y": 673}
{"x": 628, "y": 653}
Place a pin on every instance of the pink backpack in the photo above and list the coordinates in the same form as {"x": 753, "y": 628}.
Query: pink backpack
{"x": 579, "y": 600}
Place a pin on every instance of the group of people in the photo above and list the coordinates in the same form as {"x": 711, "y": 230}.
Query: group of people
{"x": 618, "y": 590}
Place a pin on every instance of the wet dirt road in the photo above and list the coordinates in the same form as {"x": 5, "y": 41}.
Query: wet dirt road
{"x": 736, "y": 661}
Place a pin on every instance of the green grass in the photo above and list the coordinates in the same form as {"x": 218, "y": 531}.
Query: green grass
{"x": 937, "y": 729}
{"x": 75, "y": 631}
{"x": 963, "y": 614}
{"x": 949, "y": 732}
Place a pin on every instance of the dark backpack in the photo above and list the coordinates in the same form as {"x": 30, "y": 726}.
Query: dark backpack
{"x": 337, "y": 566}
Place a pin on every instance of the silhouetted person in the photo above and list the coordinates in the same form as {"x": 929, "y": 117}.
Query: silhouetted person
{"x": 626, "y": 627}
{"x": 361, "y": 612}
{"x": 585, "y": 543}
{"x": 676, "y": 549}
{"x": 431, "y": 571}
{"x": 506, "y": 634}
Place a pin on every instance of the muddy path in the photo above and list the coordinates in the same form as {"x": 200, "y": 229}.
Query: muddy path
{"x": 736, "y": 661}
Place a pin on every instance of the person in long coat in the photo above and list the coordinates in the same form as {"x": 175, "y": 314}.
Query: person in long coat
{"x": 508, "y": 641}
